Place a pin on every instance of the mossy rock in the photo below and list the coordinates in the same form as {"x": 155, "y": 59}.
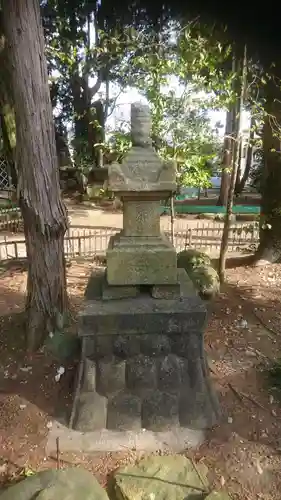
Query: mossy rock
{"x": 191, "y": 258}
{"x": 206, "y": 280}
{"x": 198, "y": 266}
{"x": 65, "y": 484}
{"x": 64, "y": 346}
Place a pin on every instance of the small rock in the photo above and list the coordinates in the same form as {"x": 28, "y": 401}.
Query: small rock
{"x": 222, "y": 481}
{"x": 250, "y": 353}
{"x": 25, "y": 368}
{"x": 259, "y": 467}
{"x": 243, "y": 324}
{"x": 60, "y": 372}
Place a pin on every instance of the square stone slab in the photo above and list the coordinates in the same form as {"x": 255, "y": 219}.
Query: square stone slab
{"x": 140, "y": 314}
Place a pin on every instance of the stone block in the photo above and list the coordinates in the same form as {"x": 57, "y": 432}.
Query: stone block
{"x": 160, "y": 411}
{"x": 141, "y": 218}
{"x": 170, "y": 374}
{"x": 124, "y": 412}
{"x": 196, "y": 409}
{"x": 91, "y": 412}
{"x": 141, "y": 374}
{"x": 142, "y": 171}
{"x": 183, "y": 288}
{"x": 141, "y": 264}
{"x": 89, "y": 375}
{"x": 103, "y": 346}
{"x": 110, "y": 375}
{"x": 95, "y": 284}
{"x": 166, "y": 291}
{"x": 142, "y": 315}
{"x": 154, "y": 344}
{"x": 89, "y": 346}
{"x": 126, "y": 346}
{"x": 180, "y": 344}
{"x": 110, "y": 292}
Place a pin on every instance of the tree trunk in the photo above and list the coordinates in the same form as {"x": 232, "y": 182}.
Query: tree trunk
{"x": 227, "y": 158}
{"x": 269, "y": 250}
{"x": 241, "y": 71}
{"x": 249, "y": 159}
{"x": 44, "y": 214}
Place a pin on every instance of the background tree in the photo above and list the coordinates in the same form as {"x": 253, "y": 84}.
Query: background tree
{"x": 44, "y": 214}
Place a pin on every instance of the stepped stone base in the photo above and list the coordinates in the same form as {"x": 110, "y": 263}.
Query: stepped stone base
{"x": 143, "y": 364}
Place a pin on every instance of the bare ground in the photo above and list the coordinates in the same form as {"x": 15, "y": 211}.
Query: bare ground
{"x": 242, "y": 339}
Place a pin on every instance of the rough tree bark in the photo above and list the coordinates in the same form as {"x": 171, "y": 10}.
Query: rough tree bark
{"x": 269, "y": 250}
{"x": 44, "y": 214}
{"x": 227, "y": 158}
{"x": 249, "y": 159}
{"x": 241, "y": 71}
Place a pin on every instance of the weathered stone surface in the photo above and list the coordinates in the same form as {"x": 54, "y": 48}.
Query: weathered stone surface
{"x": 92, "y": 412}
{"x": 124, "y": 412}
{"x": 170, "y": 373}
{"x": 141, "y": 262}
{"x": 207, "y": 281}
{"x": 166, "y": 291}
{"x": 191, "y": 258}
{"x": 199, "y": 268}
{"x": 110, "y": 375}
{"x": 126, "y": 346}
{"x": 161, "y": 478}
{"x": 140, "y": 125}
{"x": 141, "y": 218}
{"x": 142, "y": 315}
{"x": 160, "y": 411}
{"x": 141, "y": 373}
{"x": 154, "y": 345}
{"x": 142, "y": 171}
{"x": 103, "y": 346}
{"x": 89, "y": 375}
{"x": 67, "y": 484}
{"x": 110, "y": 292}
{"x": 218, "y": 495}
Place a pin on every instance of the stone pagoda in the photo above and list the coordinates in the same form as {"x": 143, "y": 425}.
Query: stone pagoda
{"x": 142, "y": 362}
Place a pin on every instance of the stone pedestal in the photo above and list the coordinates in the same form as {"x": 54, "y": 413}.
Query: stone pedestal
{"x": 143, "y": 363}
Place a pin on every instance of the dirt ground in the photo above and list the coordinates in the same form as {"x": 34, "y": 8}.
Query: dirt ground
{"x": 242, "y": 341}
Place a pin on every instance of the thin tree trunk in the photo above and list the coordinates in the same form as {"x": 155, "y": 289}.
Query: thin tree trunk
{"x": 44, "y": 214}
{"x": 172, "y": 219}
{"x": 249, "y": 159}
{"x": 235, "y": 166}
{"x": 227, "y": 158}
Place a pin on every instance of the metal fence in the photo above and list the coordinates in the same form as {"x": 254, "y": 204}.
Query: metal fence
{"x": 93, "y": 241}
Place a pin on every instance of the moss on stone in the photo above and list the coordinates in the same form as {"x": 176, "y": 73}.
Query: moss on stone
{"x": 198, "y": 266}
